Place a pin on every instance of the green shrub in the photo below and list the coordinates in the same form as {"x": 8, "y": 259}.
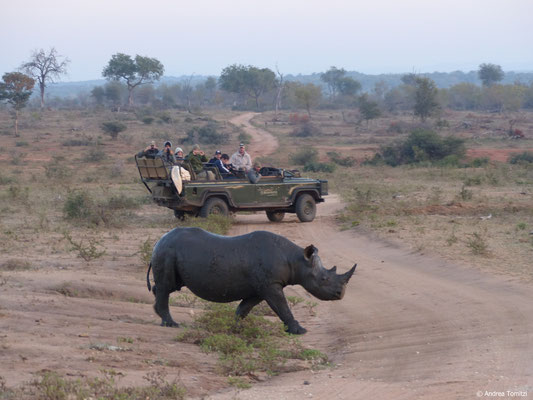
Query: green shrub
{"x": 113, "y": 128}
{"x": 319, "y": 167}
{"x": 78, "y": 205}
{"x": 206, "y": 134}
{"x": 22, "y": 143}
{"x": 6, "y": 180}
{"x": 342, "y": 161}
{"x": 525, "y": 157}
{"x": 479, "y": 162}
{"x": 164, "y": 117}
{"x": 421, "y": 146}
{"x": 304, "y": 156}
{"x": 147, "y": 120}
{"x": 245, "y": 138}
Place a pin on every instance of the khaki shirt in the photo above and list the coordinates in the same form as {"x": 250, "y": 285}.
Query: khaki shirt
{"x": 241, "y": 161}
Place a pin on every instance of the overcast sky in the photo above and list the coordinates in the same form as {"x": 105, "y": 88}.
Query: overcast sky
{"x": 202, "y": 37}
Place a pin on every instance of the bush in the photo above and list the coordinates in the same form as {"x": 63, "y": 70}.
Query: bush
{"x": 319, "y": 167}
{"x": 164, "y": 117}
{"x": 305, "y": 130}
{"x": 77, "y": 142}
{"x": 147, "y": 120}
{"x": 342, "y": 161}
{"x": 95, "y": 154}
{"x": 525, "y": 157}
{"x": 245, "y": 138}
{"x": 113, "y": 128}
{"x": 78, "y": 205}
{"x": 304, "y": 156}
{"x": 206, "y": 134}
{"x": 421, "y": 146}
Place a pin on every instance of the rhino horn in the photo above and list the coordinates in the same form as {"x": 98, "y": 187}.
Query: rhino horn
{"x": 334, "y": 269}
{"x": 346, "y": 276}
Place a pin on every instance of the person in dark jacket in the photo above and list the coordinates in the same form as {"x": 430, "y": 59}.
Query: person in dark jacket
{"x": 167, "y": 154}
{"x": 150, "y": 152}
{"x": 217, "y": 162}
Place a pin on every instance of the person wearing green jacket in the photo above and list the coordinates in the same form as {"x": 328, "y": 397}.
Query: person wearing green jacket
{"x": 196, "y": 158}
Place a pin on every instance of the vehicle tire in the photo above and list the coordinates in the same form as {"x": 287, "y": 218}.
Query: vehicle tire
{"x": 275, "y": 216}
{"x": 215, "y": 206}
{"x": 306, "y": 208}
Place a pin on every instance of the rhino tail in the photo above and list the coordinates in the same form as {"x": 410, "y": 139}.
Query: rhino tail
{"x": 148, "y": 278}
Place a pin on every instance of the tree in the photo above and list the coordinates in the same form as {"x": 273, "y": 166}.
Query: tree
{"x": 133, "y": 72}
{"x": 332, "y": 78}
{"x": 308, "y": 96}
{"x": 369, "y": 109}
{"x": 45, "y": 68}
{"x": 348, "y": 86}
{"x": 16, "y": 89}
{"x": 247, "y": 81}
{"x": 490, "y": 74}
{"x": 98, "y": 93}
{"x": 425, "y": 98}
{"x": 113, "y": 128}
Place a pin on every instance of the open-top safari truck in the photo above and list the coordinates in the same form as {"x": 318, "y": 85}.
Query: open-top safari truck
{"x": 208, "y": 192}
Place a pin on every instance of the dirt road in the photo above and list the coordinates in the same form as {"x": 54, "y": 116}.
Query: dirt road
{"x": 410, "y": 326}
{"x": 263, "y": 143}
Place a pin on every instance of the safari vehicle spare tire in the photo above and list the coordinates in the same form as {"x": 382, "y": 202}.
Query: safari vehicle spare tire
{"x": 216, "y": 206}
{"x": 306, "y": 208}
{"x": 275, "y": 216}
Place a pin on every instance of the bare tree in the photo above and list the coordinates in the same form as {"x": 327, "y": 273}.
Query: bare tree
{"x": 278, "y": 95}
{"x": 45, "y": 68}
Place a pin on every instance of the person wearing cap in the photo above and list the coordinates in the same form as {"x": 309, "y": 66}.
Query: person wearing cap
{"x": 196, "y": 158}
{"x": 253, "y": 174}
{"x": 241, "y": 159}
{"x": 216, "y": 157}
{"x": 166, "y": 154}
{"x": 184, "y": 172}
{"x": 217, "y": 162}
{"x": 150, "y": 152}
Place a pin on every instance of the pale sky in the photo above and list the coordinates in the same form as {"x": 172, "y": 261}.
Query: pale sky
{"x": 202, "y": 37}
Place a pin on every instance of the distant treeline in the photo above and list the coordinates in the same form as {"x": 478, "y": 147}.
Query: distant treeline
{"x": 250, "y": 88}
{"x": 368, "y": 82}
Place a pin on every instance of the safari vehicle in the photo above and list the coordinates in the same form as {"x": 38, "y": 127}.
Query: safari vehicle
{"x": 277, "y": 192}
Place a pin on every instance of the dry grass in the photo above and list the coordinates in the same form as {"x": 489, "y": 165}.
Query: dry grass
{"x": 432, "y": 209}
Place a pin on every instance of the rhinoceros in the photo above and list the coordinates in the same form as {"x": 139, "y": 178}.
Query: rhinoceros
{"x": 251, "y": 268}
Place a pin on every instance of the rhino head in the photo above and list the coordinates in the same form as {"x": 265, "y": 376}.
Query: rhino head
{"x": 325, "y": 284}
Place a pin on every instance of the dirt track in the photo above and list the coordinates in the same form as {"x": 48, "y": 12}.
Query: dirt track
{"x": 410, "y": 326}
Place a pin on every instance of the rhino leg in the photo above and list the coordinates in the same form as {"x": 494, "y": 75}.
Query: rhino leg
{"x": 276, "y": 300}
{"x": 246, "y": 306}
{"x": 161, "y": 307}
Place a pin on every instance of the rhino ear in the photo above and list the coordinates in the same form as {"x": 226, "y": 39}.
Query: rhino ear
{"x": 309, "y": 251}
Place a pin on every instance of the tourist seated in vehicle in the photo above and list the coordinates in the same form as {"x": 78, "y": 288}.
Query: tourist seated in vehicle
{"x": 216, "y": 161}
{"x": 166, "y": 154}
{"x": 179, "y": 153}
{"x": 241, "y": 160}
{"x": 150, "y": 152}
{"x": 196, "y": 158}
{"x": 253, "y": 174}
{"x": 224, "y": 158}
